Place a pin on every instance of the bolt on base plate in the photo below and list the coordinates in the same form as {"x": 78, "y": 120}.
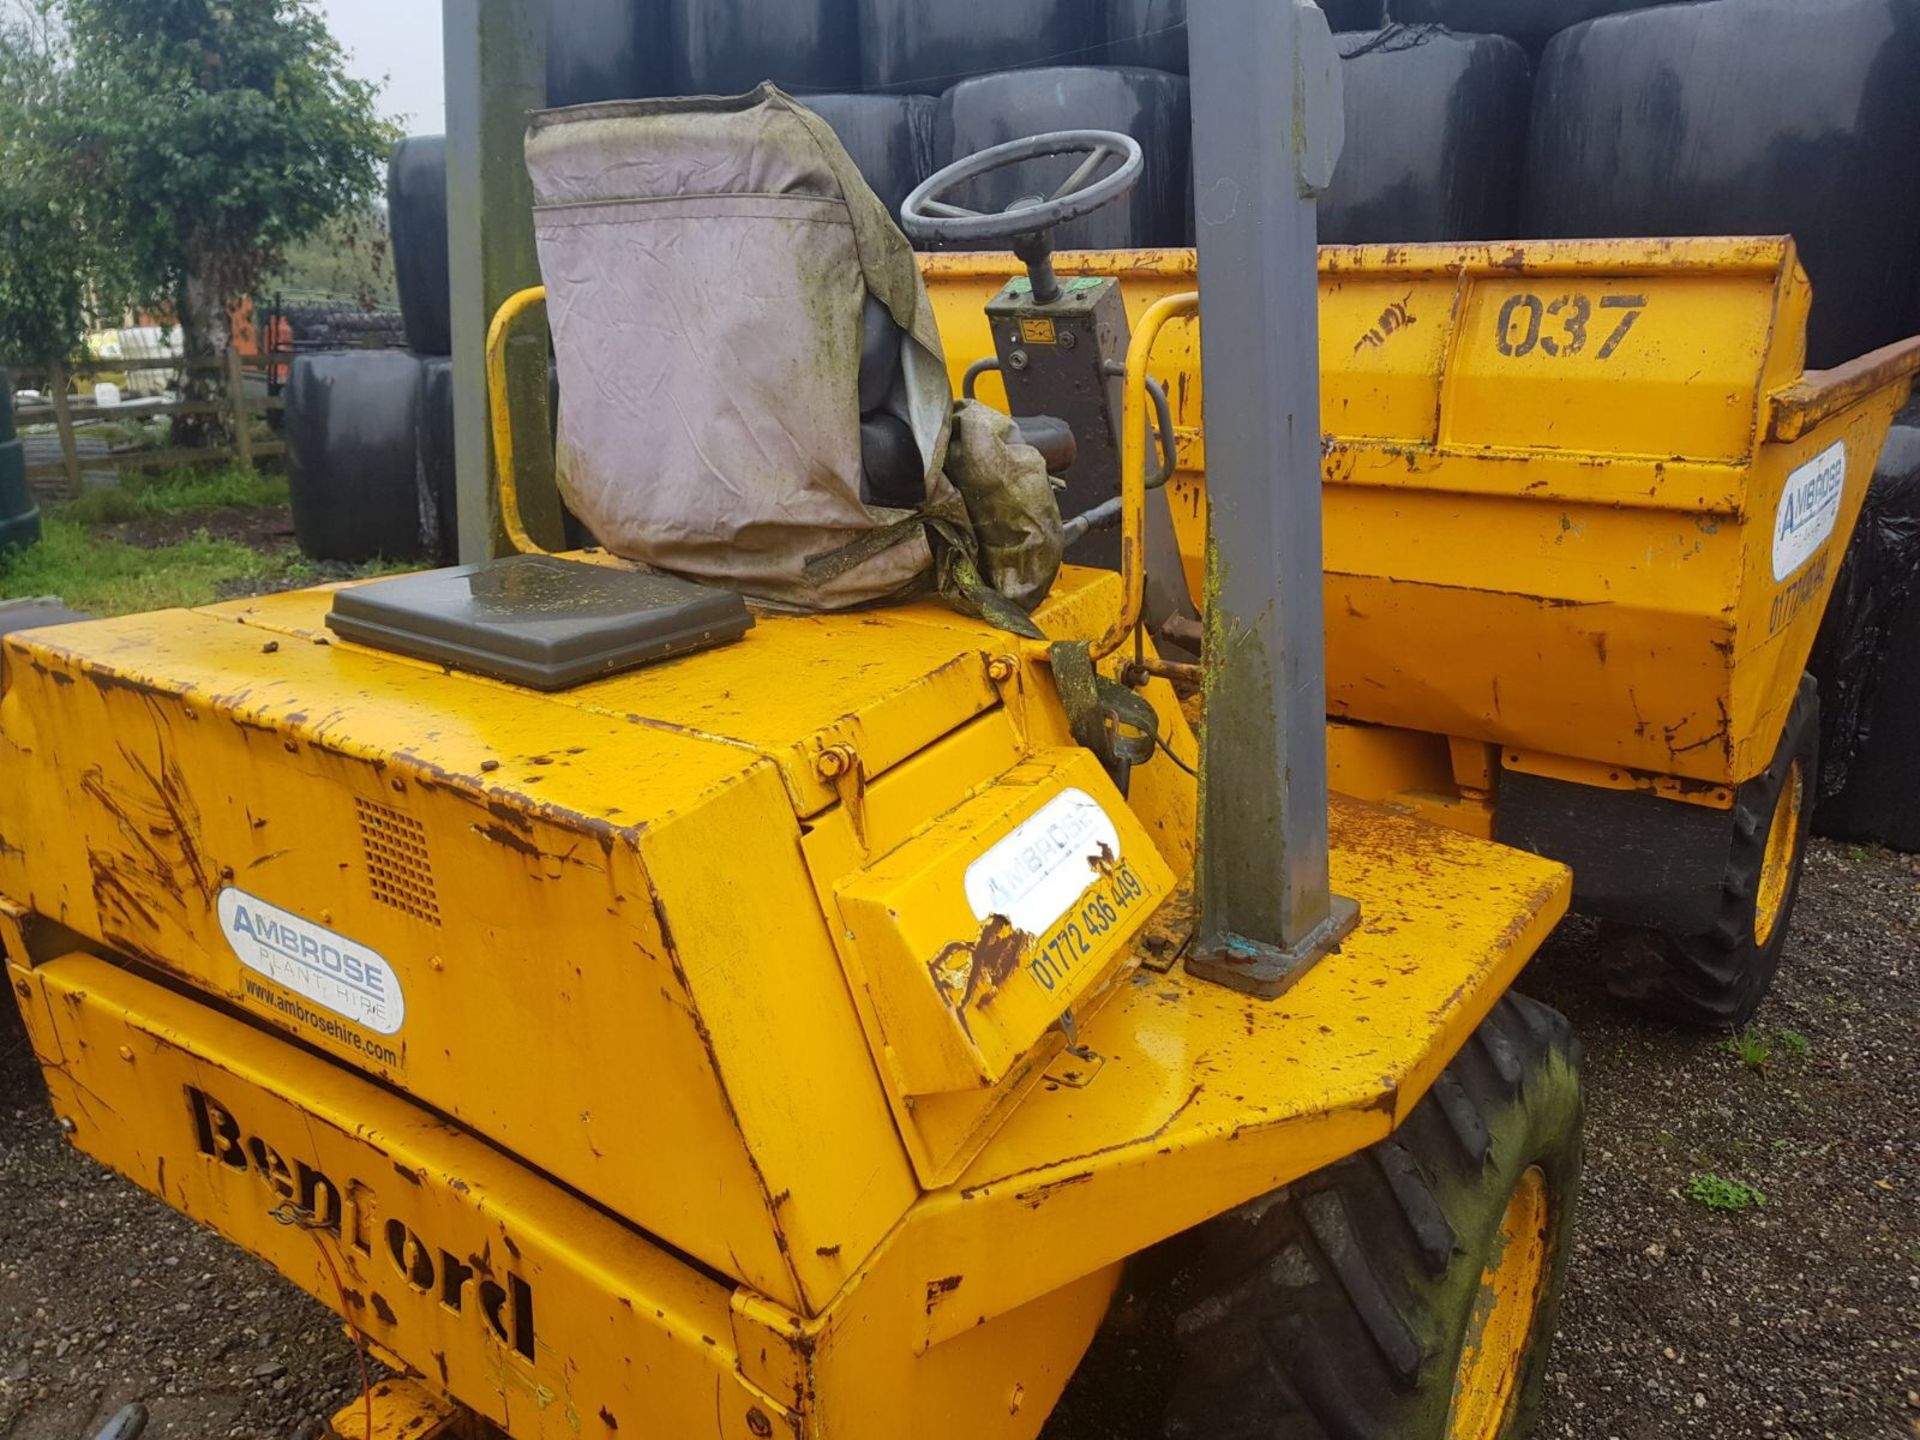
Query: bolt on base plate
{"x": 1267, "y": 971}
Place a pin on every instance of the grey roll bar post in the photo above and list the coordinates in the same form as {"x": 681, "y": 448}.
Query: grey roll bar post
{"x": 496, "y": 63}
{"x": 1267, "y": 131}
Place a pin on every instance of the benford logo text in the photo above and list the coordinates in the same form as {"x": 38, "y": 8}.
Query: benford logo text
{"x": 499, "y": 1301}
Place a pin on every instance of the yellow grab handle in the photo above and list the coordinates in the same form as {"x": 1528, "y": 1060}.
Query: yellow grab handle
{"x": 501, "y": 417}
{"x": 1133, "y": 468}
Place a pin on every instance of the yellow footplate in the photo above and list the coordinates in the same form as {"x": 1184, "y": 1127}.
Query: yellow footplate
{"x": 538, "y": 1311}
{"x": 403, "y": 1410}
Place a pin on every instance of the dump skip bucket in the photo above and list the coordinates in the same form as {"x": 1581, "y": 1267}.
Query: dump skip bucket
{"x": 1582, "y": 500}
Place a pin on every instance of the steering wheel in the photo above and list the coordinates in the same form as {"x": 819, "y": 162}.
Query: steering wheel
{"x": 925, "y": 216}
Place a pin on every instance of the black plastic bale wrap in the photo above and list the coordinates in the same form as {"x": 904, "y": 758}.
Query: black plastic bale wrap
{"x": 353, "y": 455}
{"x": 417, "y": 216}
{"x": 19, "y": 515}
{"x": 433, "y": 432}
{"x": 1149, "y": 105}
{"x": 1354, "y": 14}
{"x": 1532, "y": 20}
{"x": 608, "y": 50}
{"x": 1738, "y": 117}
{"x": 1867, "y": 659}
{"x": 1153, "y": 33}
{"x": 438, "y": 486}
{"x": 1436, "y": 138}
{"x": 726, "y": 47}
{"x": 890, "y": 138}
{"x": 1148, "y": 33}
{"x": 928, "y": 45}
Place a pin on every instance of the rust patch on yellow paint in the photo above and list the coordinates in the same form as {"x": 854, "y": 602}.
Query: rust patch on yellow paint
{"x": 969, "y": 973}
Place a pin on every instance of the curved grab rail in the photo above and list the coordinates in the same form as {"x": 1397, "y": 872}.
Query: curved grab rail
{"x": 1133, "y": 467}
{"x": 501, "y": 418}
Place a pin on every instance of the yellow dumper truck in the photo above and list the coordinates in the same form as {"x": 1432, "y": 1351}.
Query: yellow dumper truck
{"x": 636, "y": 1015}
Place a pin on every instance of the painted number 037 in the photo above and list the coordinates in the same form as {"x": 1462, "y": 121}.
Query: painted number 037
{"x": 1561, "y": 326}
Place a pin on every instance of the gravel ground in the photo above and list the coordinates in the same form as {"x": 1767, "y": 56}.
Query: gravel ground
{"x": 1799, "y": 1317}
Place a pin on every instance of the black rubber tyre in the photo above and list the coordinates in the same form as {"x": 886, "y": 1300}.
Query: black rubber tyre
{"x": 1338, "y": 1308}
{"x": 1718, "y": 979}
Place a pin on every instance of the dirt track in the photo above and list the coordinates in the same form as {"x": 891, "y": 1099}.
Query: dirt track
{"x": 1798, "y": 1318}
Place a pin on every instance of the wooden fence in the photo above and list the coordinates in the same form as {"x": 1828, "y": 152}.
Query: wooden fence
{"x": 70, "y": 414}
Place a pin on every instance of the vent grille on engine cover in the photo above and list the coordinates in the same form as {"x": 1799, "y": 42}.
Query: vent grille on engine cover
{"x": 398, "y": 867}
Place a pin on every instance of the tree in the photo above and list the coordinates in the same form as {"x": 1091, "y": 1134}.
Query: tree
{"x": 214, "y": 135}
{"x": 350, "y": 262}
{"x": 48, "y": 273}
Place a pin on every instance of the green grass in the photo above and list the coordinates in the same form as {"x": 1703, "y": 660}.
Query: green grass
{"x": 175, "y": 492}
{"x": 106, "y": 577}
{"x": 1750, "y": 1046}
{"x": 1716, "y": 1192}
{"x": 1756, "y": 1048}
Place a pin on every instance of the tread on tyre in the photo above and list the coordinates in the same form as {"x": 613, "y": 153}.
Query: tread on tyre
{"x": 1718, "y": 979}
{"x": 1341, "y": 1307}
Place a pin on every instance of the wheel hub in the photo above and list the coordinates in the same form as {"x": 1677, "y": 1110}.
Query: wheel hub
{"x": 1501, "y": 1324}
{"x": 1776, "y": 865}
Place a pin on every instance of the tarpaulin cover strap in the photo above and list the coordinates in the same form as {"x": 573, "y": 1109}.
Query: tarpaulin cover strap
{"x": 706, "y": 263}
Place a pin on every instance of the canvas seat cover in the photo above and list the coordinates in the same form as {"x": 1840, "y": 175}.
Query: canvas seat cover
{"x": 706, "y": 262}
